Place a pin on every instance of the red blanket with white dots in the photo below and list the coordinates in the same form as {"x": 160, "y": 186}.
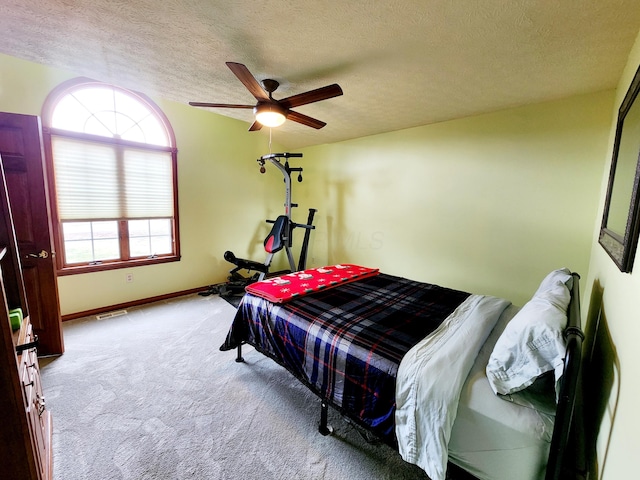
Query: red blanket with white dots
{"x": 296, "y": 284}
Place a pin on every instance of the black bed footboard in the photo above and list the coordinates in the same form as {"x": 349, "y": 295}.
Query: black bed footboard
{"x": 569, "y": 423}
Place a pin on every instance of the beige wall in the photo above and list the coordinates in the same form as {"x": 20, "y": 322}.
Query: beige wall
{"x": 487, "y": 204}
{"x": 223, "y": 199}
{"x": 616, "y": 297}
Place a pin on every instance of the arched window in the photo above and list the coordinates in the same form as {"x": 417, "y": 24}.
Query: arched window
{"x": 112, "y": 164}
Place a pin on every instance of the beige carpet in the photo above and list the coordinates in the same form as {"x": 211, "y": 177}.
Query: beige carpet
{"x": 148, "y": 395}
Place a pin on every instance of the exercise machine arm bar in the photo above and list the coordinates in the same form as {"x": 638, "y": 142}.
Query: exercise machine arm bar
{"x": 274, "y": 158}
{"x": 270, "y": 156}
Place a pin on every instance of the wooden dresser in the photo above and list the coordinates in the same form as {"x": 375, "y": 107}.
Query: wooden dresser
{"x": 25, "y": 423}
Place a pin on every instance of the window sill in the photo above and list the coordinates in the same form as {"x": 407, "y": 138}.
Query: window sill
{"x": 76, "y": 270}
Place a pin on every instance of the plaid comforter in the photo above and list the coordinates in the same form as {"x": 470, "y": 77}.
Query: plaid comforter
{"x": 346, "y": 343}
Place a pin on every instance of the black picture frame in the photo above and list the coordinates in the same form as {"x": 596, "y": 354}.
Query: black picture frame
{"x": 620, "y": 219}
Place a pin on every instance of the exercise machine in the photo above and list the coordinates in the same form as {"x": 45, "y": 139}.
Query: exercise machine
{"x": 279, "y": 238}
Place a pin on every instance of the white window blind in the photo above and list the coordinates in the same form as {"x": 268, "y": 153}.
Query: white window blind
{"x": 111, "y": 182}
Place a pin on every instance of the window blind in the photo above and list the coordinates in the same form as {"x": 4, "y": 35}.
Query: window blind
{"x": 111, "y": 182}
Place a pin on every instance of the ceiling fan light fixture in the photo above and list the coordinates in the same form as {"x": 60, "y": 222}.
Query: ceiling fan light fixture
{"x": 269, "y": 115}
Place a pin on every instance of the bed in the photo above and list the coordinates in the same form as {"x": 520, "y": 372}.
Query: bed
{"x": 439, "y": 374}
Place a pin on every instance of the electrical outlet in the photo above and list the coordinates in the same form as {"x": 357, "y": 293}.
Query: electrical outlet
{"x": 129, "y": 277}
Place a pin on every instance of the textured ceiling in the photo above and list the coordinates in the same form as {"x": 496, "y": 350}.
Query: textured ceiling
{"x": 401, "y": 63}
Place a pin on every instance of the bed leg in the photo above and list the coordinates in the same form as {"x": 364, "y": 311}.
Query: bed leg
{"x": 324, "y": 429}
{"x": 239, "y": 358}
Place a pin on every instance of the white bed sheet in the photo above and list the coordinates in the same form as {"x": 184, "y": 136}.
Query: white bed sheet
{"x": 432, "y": 374}
{"x": 492, "y": 438}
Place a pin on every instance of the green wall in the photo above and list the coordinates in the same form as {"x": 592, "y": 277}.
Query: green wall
{"x": 488, "y": 204}
{"x": 223, "y": 199}
{"x": 614, "y": 300}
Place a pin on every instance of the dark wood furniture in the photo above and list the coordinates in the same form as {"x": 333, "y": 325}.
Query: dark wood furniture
{"x": 25, "y": 423}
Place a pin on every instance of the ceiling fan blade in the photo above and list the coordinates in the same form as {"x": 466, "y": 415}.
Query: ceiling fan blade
{"x": 249, "y": 81}
{"x": 218, "y": 105}
{"x": 255, "y": 126}
{"x": 305, "y": 120}
{"x": 312, "y": 96}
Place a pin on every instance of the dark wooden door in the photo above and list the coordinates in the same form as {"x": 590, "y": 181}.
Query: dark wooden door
{"x": 23, "y": 160}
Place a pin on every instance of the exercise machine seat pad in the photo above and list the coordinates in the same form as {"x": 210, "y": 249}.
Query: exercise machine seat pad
{"x": 275, "y": 240}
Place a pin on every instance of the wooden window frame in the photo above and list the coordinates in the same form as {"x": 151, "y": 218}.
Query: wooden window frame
{"x": 56, "y": 225}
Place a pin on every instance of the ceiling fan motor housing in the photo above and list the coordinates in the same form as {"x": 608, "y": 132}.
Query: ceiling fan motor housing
{"x": 270, "y": 85}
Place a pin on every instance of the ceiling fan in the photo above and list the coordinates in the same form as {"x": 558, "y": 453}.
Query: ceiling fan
{"x": 269, "y": 111}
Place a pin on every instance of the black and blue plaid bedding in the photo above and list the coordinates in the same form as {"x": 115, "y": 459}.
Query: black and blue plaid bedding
{"x": 346, "y": 343}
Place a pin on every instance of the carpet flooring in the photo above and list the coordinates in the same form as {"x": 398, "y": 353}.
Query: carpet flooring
{"x": 148, "y": 395}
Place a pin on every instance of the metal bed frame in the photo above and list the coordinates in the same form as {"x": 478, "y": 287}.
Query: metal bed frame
{"x": 568, "y": 428}
{"x": 566, "y": 453}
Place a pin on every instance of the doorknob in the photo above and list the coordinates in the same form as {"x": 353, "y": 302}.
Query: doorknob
{"x": 42, "y": 254}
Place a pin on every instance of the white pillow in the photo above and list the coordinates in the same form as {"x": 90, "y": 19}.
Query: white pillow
{"x": 532, "y": 342}
{"x": 562, "y": 274}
